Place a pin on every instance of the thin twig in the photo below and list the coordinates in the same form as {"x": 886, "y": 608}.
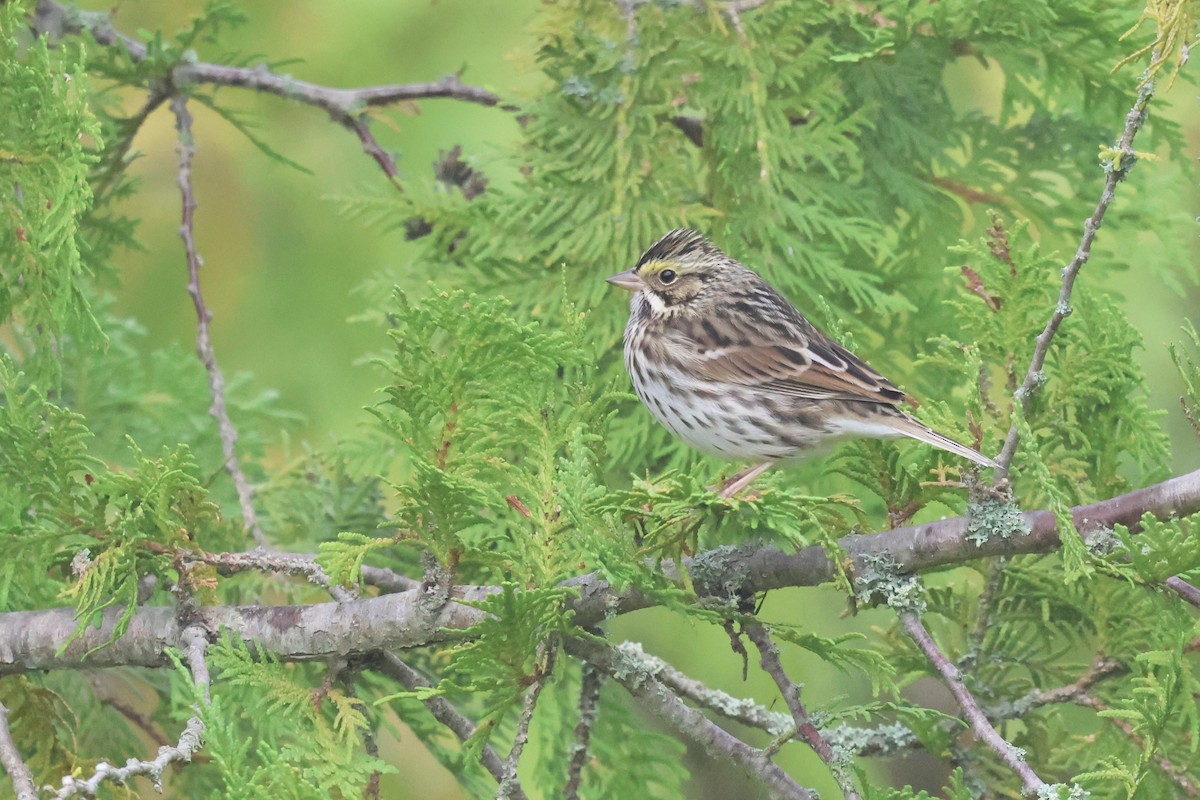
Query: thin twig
{"x": 589, "y": 709}
{"x": 656, "y": 699}
{"x": 544, "y": 659}
{"x": 14, "y": 765}
{"x": 742, "y": 710}
{"x": 397, "y": 669}
{"x": 189, "y": 741}
{"x": 347, "y": 107}
{"x": 264, "y": 561}
{"x": 334, "y": 100}
{"x": 371, "y": 747}
{"x": 805, "y": 729}
{"x": 974, "y": 715}
{"x": 277, "y": 561}
{"x": 73, "y": 21}
{"x": 1079, "y": 692}
{"x": 370, "y": 144}
{"x": 204, "y": 347}
{"x": 1100, "y": 669}
{"x": 1122, "y": 163}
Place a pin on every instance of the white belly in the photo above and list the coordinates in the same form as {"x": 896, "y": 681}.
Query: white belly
{"x": 709, "y": 417}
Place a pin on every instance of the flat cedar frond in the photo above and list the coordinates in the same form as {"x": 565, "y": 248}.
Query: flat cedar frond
{"x": 1174, "y": 32}
{"x": 44, "y": 151}
{"x": 1189, "y": 370}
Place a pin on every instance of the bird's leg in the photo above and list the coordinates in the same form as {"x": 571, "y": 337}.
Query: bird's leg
{"x": 741, "y": 480}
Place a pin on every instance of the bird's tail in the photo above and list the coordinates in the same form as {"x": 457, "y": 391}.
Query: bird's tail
{"x": 910, "y": 427}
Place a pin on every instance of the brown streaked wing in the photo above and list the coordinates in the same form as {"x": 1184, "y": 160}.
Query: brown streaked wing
{"x": 808, "y": 365}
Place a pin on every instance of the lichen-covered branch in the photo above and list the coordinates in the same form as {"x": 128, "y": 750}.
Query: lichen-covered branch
{"x": 738, "y": 709}
{"x": 14, "y": 765}
{"x": 30, "y": 640}
{"x": 656, "y": 699}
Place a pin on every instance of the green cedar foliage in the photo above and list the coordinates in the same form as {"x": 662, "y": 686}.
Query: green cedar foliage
{"x": 44, "y": 165}
{"x": 837, "y": 149}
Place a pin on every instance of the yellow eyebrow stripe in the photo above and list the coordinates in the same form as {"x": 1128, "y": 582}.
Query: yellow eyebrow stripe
{"x": 652, "y": 267}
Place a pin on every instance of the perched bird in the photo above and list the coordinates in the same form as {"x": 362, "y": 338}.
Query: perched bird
{"x": 734, "y": 370}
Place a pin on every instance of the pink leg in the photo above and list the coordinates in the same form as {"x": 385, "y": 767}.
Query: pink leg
{"x": 743, "y": 479}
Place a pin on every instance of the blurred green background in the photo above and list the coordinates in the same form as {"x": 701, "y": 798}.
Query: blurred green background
{"x": 282, "y": 263}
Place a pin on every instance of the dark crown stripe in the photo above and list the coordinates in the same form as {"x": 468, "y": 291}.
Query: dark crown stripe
{"x": 675, "y": 245}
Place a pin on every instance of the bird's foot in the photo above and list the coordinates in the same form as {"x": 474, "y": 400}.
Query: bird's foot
{"x": 735, "y": 484}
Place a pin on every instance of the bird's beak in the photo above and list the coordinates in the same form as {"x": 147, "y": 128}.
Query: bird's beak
{"x": 627, "y": 280}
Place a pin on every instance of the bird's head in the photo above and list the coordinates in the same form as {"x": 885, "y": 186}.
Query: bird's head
{"x": 680, "y": 270}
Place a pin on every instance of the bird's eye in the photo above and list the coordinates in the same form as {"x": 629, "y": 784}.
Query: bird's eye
{"x": 667, "y": 276}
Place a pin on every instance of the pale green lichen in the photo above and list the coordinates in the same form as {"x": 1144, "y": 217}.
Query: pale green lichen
{"x": 878, "y": 579}
{"x": 1060, "y": 791}
{"x": 717, "y": 572}
{"x": 888, "y": 739}
{"x": 991, "y": 517}
{"x": 1103, "y": 542}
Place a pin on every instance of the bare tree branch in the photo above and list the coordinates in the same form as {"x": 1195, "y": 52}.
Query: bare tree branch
{"x": 335, "y": 101}
{"x": 30, "y": 640}
{"x": 347, "y": 107}
{"x": 655, "y": 698}
{"x": 61, "y": 18}
{"x": 1123, "y": 160}
{"x": 971, "y": 711}
{"x": 293, "y": 632}
{"x": 371, "y": 145}
{"x": 10, "y": 758}
{"x": 444, "y": 712}
{"x": 204, "y": 347}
